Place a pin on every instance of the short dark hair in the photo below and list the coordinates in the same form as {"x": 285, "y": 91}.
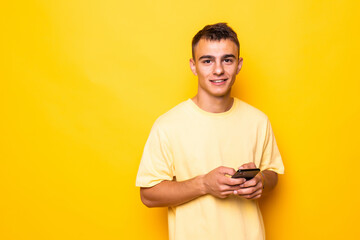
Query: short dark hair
{"x": 215, "y": 32}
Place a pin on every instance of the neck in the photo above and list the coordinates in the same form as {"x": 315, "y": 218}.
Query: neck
{"x": 214, "y": 104}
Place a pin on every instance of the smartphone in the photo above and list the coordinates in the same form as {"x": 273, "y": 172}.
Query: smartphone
{"x": 246, "y": 173}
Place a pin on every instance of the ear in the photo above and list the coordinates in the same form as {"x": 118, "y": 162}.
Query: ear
{"x": 239, "y": 65}
{"x": 193, "y": 66}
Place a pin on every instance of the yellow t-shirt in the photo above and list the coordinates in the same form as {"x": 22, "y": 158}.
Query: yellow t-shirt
{"x": 186, "y": 142}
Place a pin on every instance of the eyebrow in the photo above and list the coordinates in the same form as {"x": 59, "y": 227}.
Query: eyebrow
{"x": 206, "y": 56}
{"x": 229, "y": 56}
{"x": 211, "y": 57}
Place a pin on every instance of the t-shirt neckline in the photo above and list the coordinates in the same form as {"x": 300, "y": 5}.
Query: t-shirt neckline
{"x": 203, "y": 112}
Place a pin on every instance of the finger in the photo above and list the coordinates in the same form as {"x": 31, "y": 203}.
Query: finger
{"x": 234, "y": 181}
{"x": 248, "y": 165}
{"x": 252, "y": 182}
{"x": 248, "y": 191}
{"x": 226, "y": 170}
{"x": 226, "y": 188}
{"x": 226, "y": 194}
{"x": 254, "y": 195}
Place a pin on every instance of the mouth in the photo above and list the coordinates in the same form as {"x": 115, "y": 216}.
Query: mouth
{"x": 218, "y": 81}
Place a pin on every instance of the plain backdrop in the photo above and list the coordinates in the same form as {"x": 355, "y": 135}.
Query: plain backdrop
{"x": 83, "y": 81}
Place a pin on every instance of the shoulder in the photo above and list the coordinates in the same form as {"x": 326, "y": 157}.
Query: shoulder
{"x": 252, "y": 113}
{"x": 174, "y": 116}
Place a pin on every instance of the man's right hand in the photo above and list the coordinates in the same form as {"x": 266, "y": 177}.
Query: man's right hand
{"x": 219, "y": 183}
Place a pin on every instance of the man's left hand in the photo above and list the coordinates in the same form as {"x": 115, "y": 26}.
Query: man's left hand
{"x": 253, "y": 188}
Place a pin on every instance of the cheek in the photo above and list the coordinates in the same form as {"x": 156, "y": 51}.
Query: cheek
{"x": 203, "y": 72}
{"x": 232, "y": 71}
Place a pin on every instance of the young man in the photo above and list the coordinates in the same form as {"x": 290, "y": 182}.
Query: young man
{"x": 194, "y": 148}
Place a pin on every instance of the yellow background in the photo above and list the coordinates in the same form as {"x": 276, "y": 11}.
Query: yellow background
{"x": 83, "y": 81}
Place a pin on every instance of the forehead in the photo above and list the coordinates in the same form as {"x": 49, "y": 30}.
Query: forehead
{"x": 215, "y": 48}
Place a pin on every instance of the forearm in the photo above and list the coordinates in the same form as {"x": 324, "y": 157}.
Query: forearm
{"x": 173, "y": 193}
{"x": 270, "y": 179}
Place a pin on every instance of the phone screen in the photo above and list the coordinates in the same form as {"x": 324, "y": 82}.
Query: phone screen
{"x": 246, "y": 173}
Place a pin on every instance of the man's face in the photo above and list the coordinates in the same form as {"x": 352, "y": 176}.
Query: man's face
{"x": 216, "y": 64}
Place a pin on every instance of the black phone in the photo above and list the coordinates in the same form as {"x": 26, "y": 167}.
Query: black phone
{"x": 246, "y": 173}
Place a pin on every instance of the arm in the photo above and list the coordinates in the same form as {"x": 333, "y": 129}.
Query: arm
{"x": 173, "y": 193}
{"x": 259, "y": 186}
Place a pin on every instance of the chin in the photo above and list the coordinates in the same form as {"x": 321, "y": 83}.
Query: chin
{"x": 222, "y": 94}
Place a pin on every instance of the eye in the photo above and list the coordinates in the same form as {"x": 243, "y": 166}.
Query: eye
{"x": 228, "y": 60}
{"x": 207, "y": 61}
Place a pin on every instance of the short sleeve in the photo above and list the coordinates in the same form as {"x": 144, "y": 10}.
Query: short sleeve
{"x": 157, "y": 161}
{"x": 271, "y": 158}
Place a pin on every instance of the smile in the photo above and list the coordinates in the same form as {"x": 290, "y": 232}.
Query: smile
{"x": 218, "y": 81}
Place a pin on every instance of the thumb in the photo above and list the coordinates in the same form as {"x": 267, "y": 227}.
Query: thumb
{"x": 227, "y": 170}
{"x": 248, "y": 165}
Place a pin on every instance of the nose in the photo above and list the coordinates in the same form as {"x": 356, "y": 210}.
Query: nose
{"x": 218, "y": 68}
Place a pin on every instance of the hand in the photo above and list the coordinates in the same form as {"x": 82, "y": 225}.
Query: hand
{"x": 253, "y": 188}
{"x": 219, "y": 185}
